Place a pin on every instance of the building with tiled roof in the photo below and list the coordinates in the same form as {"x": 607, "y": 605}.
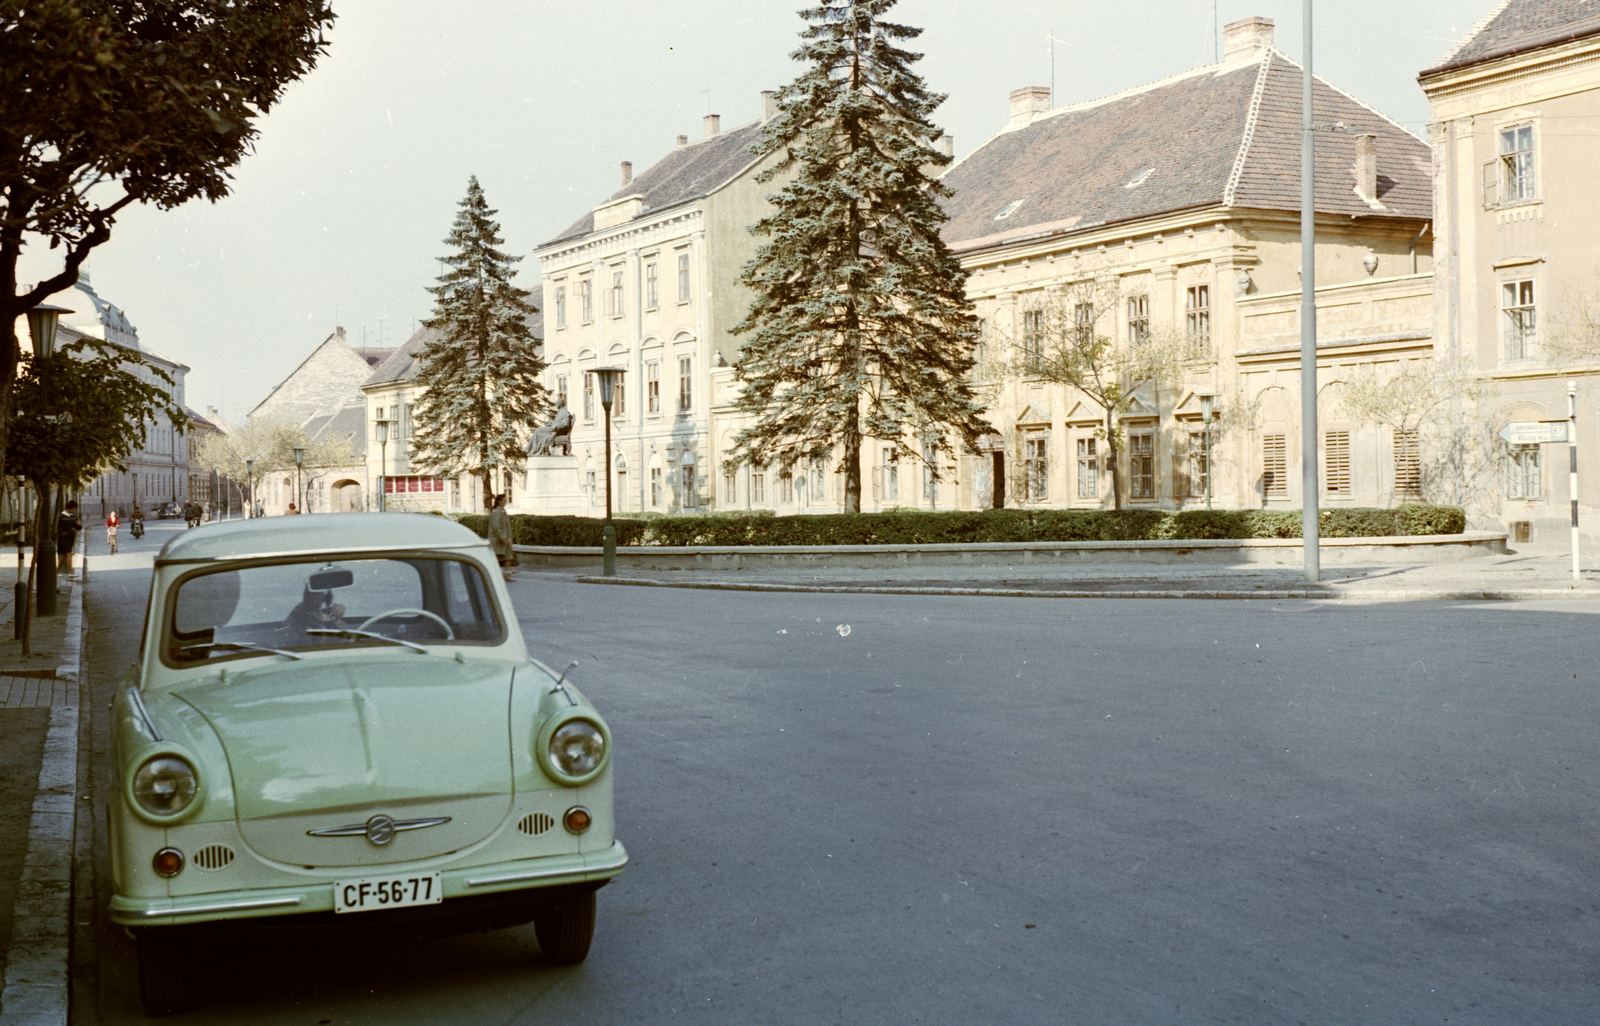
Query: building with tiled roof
{"x": 1516, "y": 138}
{"x": 648, "y": 280}
{"x": 1176, "y": 205}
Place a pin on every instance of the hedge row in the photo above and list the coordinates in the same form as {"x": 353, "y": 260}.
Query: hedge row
{"x": 1004, "y": 525}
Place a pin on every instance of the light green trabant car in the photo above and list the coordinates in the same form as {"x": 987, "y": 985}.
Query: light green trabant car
{"x": 334, "y": 720}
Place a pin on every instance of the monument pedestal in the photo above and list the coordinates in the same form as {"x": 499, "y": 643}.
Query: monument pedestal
{"x": 553, "y": 488}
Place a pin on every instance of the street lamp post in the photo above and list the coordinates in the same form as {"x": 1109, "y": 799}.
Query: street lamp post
{"x": 383, "y": 463}
{"x": 608, "y": 387}
{"x": 1205, "y": 418}
{"x": 42, "y": 323}
{"x": 299, "y": 460}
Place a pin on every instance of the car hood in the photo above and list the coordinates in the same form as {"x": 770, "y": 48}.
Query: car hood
{"x": 419, "y": 736}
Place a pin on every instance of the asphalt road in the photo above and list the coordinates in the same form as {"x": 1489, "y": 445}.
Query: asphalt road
{"x": 884, "y": 809}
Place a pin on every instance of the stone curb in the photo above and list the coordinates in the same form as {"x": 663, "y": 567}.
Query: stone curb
{"x": 1364, "y": 595}
{"x": 36, "y": 982}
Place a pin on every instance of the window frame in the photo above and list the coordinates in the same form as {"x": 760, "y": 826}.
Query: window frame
{"x": 685, "y": 384}
{"x": 652, "y": 385}
{"x": 1335, "y": 461}
{"x": 685, "y": 282}
{"x": 1516, "y": 168}
{"x": 1197, "y": 320}
{"x": 1142, "y": 463}
{"x": 1524, "y": 468}
{"x": 1088, "y": 468}
{"x": 1138, "y": 319}
{"x": 561, "y": 306}
{"x": 1519, "y": 335}
{"x": 586, "y": 300}
{"x": 1036, "y": 465}
{"x": 1275, "y": 465}
{"x": 651, "y": 286}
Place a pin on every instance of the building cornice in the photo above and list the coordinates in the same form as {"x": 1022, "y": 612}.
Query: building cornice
{"x": 1516, "y": 67}
{"x": 616, "y": 239}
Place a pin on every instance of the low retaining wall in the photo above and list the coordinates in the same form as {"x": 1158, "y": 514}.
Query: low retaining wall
{"x": 1430, "y": 548}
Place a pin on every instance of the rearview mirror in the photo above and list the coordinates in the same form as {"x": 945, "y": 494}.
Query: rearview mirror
{"x": 327, "y": 580}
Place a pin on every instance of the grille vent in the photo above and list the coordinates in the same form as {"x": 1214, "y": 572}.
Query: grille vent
{"x": 213, "y": 856}
{"x": 535, "y": 823}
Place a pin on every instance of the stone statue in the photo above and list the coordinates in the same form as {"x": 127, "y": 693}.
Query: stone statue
{"x": 557, "y": 432}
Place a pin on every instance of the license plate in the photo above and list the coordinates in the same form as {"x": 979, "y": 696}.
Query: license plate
{"x": 375, "y": 892}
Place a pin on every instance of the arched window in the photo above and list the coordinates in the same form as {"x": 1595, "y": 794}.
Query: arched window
{"x": 687, "y": 484}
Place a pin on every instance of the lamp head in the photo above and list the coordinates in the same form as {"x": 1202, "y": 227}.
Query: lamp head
{"x": 42, "y": 322}
{"x": 1207, "y": 404}
{"x": 299, "y": 455}
{"x": 608, "y": 384}
{"x": 250, "y": 468}
{"x": 383, "y": 432}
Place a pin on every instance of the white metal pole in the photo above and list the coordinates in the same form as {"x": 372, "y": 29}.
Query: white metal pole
{"x": 1572, "y": 469}
{"x": 1308, "y": 320}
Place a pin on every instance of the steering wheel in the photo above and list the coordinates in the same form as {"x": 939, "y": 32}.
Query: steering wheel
{"x": 449, "y": 634}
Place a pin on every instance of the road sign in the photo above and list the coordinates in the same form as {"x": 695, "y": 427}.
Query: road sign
{"x": 1534, "y": 432}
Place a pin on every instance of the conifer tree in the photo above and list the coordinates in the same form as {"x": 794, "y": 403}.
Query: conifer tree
{"x": 860, "y": 326}
{"x": 480, "y": 375}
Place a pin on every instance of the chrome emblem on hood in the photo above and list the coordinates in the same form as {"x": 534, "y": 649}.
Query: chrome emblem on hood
{"x": 380, "y": 829}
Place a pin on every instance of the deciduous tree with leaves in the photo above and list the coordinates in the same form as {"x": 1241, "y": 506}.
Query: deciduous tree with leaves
{"x": 271, "y": 444}
{"x": 860, "y": 326}
{"x": 107, "y": 103}
{"x": 480, "y": 377}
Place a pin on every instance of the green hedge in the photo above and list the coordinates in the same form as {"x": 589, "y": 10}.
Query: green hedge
{"x": 911, "y": 527}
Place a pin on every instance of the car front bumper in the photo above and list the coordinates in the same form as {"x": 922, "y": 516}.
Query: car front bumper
{"x": 522, "y": 874}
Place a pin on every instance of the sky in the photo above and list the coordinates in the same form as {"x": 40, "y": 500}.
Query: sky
{"x": 339, "y": 215}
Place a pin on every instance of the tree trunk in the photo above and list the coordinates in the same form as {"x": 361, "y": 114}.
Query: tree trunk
{"x": 1116, "y": 463}
{"x": 852, "y": 466}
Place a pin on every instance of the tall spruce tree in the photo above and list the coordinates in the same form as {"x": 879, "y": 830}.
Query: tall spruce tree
{"x": 860, "y": 326}
{"x": 480, "y": 375}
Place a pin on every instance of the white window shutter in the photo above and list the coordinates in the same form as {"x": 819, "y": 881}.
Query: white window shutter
{"x": 1491, "y": 184}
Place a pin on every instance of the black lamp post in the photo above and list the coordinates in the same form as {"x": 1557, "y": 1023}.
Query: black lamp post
{"x": 250, "y": 486}
{"x": 299, "y": 460}
{"x": 608, "y": 389}
{"x": 383, "y": 463}
{"x": 42, "y": 323}
{"x": 1206, "y": 402}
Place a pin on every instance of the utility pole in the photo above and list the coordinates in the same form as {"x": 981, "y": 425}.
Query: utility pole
{"x": 1308, "y": 320}
{"x": 1572, "y": 470}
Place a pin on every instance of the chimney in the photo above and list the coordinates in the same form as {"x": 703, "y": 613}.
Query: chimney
{"x": 769, "y": 105}
{"x": 683, "y": 141}
{"x": 713, "y": 123}
{"x": 1028, "y": 103}
{"x": 340, "y": 332}
{"x": 947, "y": 145}
{"x": 1243, "y": 39}
{"x": 627, "y": 171}
{"x": 1366, "y": 168}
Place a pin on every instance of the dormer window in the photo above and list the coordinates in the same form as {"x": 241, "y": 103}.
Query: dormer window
{"x": 1139, "y": 178}
{"x": 1007, "y": 210}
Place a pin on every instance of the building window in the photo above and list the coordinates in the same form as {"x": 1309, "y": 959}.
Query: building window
{"x": 1083, "y": 323}
{"x": 1197, "y": 316}
{"x": 589, "y": 484}
{"x": 655, "y": 486}
{"x": 1036, "y": 464}
{"x": 758, "y": 486}
{"x": 616, "y": 293}
{"x": 1523, "y": 479}
{"x": 405, "y": 420}
{"x": 889, "y": 475}
{"x": 1032, "y": 340}
{"x": 1199, "y": 473}
{"x": 1516, "y": 164}
{"x": 1274, "y": 467}
{"x": 730, "y": 488}
{"x": 785, "y": 487}
{"x": 561, "y": 306}
{"x": 1336, "y": 462}
{"x": 455, "y": 491}
{"x": 683, "y": 277}
{"x": 1138, "y": 320}
{"x": 1142, "y": 465}
{"x": 685, "y": 382}
{"x": 621, "y": 496}
{"x": 651, "y": 294}
{"x": 561, "y": 390}
{"x": 1407, "y": 464}
{"x": 1516, "y": 300}
{"x": 1088, "y": 469}
{"x": 586, "y": 300}
{"x": 689, "y": 483}
{"x": 588, "y": 397}
{"x": 619, "y": 398}
{"x": 652, "y": 386}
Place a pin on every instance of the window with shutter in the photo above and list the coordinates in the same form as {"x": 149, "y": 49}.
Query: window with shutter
{"x": 1336, "y": 462}
{"x": 1274, "y": 467}
{"x": 1491, "y": 184}
{"x": 1407, "y": 464}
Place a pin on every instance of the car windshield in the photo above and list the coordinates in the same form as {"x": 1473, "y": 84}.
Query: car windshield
{"x": 293, "y": 607}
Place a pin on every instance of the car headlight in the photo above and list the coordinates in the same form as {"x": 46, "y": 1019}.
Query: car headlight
{"x": 165, "y": 785}
{"x": 576, "y": 748}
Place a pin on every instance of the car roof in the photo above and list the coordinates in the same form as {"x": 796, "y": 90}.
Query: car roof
{"x": 311, "y": 533}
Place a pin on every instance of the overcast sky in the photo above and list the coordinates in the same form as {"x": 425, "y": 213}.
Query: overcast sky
{"x": 338, "y": 216}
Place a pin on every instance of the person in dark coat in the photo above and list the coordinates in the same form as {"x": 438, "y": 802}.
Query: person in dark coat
{"x": 67, "y": 527}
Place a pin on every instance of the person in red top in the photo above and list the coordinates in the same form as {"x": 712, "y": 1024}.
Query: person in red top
{"x": 112, "y": 523}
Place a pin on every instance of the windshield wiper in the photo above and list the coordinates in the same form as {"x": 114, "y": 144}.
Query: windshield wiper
{"x": 242, "y": 644}
{"x": 346, "y": 632}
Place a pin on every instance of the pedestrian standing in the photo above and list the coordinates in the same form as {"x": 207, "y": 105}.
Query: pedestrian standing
{"x": 500, "y": 535}
{"x": 292, "y": 510}
{"x": 112, "y": 523}
{"x": 67, "y": 527}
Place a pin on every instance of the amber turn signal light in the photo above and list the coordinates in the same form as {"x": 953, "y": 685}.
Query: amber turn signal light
{"x": 577, "y": 819}
{"x": 168, "y": 862}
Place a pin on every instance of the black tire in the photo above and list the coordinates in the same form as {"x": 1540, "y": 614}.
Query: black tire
{"x": 566, "y": 932}
{"x": 166, "y": 973}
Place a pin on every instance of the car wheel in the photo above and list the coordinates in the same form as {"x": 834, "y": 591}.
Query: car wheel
{"x": 566, "y": 932}
{"x": 166, "y": 974}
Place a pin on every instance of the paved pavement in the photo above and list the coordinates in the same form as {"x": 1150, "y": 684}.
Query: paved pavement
{"x": 1519, "y": 575}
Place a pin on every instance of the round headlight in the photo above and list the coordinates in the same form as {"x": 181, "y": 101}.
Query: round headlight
{"x": 576, "y": 748}
{"x": 165, "y": 785}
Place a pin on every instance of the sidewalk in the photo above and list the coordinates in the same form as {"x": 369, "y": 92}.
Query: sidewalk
{"x": 38, "y": 780}
{"x": 1519, "y": 575}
